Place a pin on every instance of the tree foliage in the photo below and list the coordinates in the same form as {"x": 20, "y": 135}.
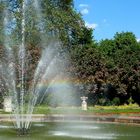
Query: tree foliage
{"x": 44, "y": 19}
{"x": 114, "y": 62}
{"x": 107, "y": 71}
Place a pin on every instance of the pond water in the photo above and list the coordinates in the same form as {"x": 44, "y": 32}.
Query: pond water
{"x": 73, "y": 131}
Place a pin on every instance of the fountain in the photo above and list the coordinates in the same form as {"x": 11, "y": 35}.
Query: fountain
{"x": 49, "y": 69}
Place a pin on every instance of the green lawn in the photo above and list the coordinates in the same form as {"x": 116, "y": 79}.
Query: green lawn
{"x": 91, "y": 110}
{"x": 125, "y": 109}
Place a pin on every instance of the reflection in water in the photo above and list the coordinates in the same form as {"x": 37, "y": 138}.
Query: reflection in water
{"x": 73, "y": 131}
{"x": 6, "y": 126}
{"x": 85, "y": 136}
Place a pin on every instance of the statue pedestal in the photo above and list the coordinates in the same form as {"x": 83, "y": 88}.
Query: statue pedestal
{"x": 7, "y": 104}
{"x": 84, "y": 103}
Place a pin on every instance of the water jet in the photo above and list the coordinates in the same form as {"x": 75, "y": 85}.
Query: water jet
{"x": 21, "y": 96}
{"x": 22, "y": 131}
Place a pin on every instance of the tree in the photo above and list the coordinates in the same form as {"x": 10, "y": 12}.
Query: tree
{"x": 87, "y": 37}
{"x": 1, "y": 23}
{"x": 124, "y": 39}
{"x": 46, "y": 18}
{"x": 122, "y": 62}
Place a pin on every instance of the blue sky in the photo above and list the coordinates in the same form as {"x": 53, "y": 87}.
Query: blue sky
{"x": 110, "y": 16}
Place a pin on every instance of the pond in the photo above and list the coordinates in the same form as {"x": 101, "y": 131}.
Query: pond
{"x": 73, "y": 131}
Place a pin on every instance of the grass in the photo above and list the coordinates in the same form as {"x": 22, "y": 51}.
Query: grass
{"x": 2, "y": 112}
{"x": 124, "y": 109}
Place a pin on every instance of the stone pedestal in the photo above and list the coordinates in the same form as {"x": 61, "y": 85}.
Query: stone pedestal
{"x": 7, "y": 104}
{"x": 84, "y": 103}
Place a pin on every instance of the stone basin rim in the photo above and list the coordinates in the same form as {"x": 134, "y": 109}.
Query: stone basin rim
{"x": 76, "y": 118}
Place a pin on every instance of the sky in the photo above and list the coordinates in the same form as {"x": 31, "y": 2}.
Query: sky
{"x": 107, "y": 17}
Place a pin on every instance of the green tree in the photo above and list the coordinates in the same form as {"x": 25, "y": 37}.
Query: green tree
{"x": 47, "y": 19}
{"x": 122, "y": 61}
{"x": 124, "y": 39}
{"x": 87, "y": 37}
{"x": 1, "y": 23}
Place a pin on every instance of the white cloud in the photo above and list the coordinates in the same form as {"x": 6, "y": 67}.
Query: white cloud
{"x": 138, "y": 39}
{"x": 91, "y": 25}
{"x": 83, "y": 5}
{"x": 84, "y": 11}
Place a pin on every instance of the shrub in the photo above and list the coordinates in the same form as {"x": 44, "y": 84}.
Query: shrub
{"x": 116, "y": 101}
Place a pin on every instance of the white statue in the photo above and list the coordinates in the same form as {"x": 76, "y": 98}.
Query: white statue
{"x": 84, "y": 103}
{"x": 7, "y": 104}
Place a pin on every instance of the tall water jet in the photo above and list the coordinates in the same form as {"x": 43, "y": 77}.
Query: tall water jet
{"x": 49, "y": 69}
{"x": 22, "y": 63}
